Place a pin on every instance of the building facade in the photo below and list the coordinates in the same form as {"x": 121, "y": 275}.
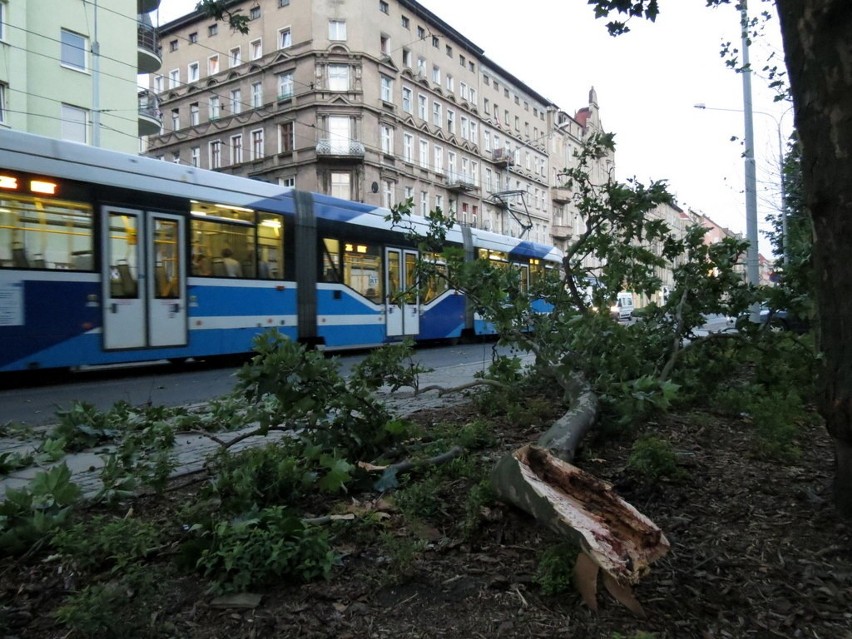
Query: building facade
{"x": 378, "y": 101}
{"x": 94, "y": 53}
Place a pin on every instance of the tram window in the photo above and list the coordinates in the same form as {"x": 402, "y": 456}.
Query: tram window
{"x": 39, "y": 233}
{"x": 236, "y": 242}
{"x": 270, "y": 239}
{"x": 362, "y": 269}
{"x": 330, "y": 260}
{"x": 436, "y": 277}
{"x": 167, "y": 269}
{"x": 523, "y": 276}
{"x": 122, "y": 255}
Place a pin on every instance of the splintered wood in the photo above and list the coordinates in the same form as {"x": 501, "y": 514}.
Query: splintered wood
{"x": 617, "y": 538}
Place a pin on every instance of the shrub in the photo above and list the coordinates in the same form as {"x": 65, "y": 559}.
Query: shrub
{"x": 556, "y": 568}
{"x": 653, "y": 458}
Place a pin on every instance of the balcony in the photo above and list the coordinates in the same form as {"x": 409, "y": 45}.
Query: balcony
{"x": 459, "y": 182}
{"x": 147, "y": 6}
{"x": 560, "y": 194}
{"x": 340, "y": 149}
{"x": 503, "y": 157}
{"x": 150, "y": 118}
{"x": 147, "y": 58}
{"x": 560, "y": 232}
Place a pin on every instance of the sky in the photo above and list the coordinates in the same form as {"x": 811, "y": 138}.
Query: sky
{"x": 648, "y": 82}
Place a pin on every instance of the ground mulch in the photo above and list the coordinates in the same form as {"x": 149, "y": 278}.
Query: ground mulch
{"x": 757, "y": 550}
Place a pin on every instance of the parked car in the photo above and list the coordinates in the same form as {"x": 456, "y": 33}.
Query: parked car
{"x": 781, "y": 320}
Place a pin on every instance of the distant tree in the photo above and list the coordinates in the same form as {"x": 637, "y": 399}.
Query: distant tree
{"x": 816, "y": 36}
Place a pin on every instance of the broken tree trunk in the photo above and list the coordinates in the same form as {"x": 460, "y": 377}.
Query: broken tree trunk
{"x": 613, "y": 536}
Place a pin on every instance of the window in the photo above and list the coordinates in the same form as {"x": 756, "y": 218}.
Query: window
{"x": 254, "y": 13}
{"x": 383, "y": 7}
{"x": 387, "y": 88}
{"x": 463, "y": 91}
{"x": 421, "y": 67}
{"x": 193, "y": 114}
{"x": 213, "y": 65}
{"x": 283, "y": 3}
{"x": 451, "y": 86}
{"x": 439, "y": 160}
{"x": 256, "y": 49}
{"x": 340, "y": 185}
{"x": 214, "y": 107}
{"x": 195, "y": 155}
{"x": 337, "y": 30}
{"x": 472, "y": 95}
{"x": 465, "y": 128}
{"x": 449, "y": 50}
{"x": 422, "y": 107}
{"x": 386, "y": 134}
{"x": 424, "y": 154}
{"x": 73, "y": 50}
{"x": 387, "y": 193}
{"x": 48, "y": 234}
{"x": 407, "y": 58}
{"x": 406, "y": 99}
{"x": 451, "y": 121}
{"x": 236, "y": 149}
{"x": 451, "y": 163}
{"x": 288, "y": 181}
{"x": 193, "y": 37}
{"x": 405, "y": 22}
{"x": 439, "y": 202}
{"x": 74, "y": 124}
{"x": 285, "y": 39}
{"x": 409, "y": 192}
{"x": 175, "y": 119}
{"x": 158, "y": 84}
{"x": 506, "y": 117}
{"x": 435, "y": 42}
{"x": 338, "y": 77}
{"x": 407, "y": 147}
{"x": 286, "y": 137}
{"x": 461, "y": 60}
{"x": 192, "y": 72}
{"x": 213, "y": 29}
{"x": 436, "y": 75}
{"x": 216, "y": 154}
{"x": 486, "y": 106}
{"x": 236, "y": 101}
{"x": 235, "y": 57}
{"x": 437, "y": 117}
{"x": 471, "y": 66}
{"x": 257, "y": 144}
{"x": 176, "y": 157}
{"x": 517, "y": 123}
{"x": 256, "y": 95}
{"x": 421, "y": 33}
{"x": 2, "y": 100}
{"x": 285, "y": 85}
{"x": 474, "y": 132}
{"x": 424, "y": 203}
{"x": 173, "y": 45}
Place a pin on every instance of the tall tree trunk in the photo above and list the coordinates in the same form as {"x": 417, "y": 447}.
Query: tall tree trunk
{"x": 818, "y": 47}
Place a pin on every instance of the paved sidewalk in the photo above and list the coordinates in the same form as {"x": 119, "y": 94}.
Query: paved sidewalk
{"x": 191, "y": 451}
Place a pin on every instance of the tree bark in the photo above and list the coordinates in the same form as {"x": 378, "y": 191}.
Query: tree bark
{"x": 817, "y": 36}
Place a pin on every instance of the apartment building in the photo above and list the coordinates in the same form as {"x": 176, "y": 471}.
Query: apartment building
{"x": 94, "y": 52}
{"x": 379, "y": 101}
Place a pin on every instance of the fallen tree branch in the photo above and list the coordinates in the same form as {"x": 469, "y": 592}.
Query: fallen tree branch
{"x": 611, "y": 533}
{"x": 461, "y": 387}
{"x": 566, "y": 433}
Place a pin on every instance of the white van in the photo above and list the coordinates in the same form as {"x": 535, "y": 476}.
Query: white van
{"x": 623, "y": 307}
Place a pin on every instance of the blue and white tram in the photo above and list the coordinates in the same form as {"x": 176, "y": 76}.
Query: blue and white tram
{"x": 108, "y": 258}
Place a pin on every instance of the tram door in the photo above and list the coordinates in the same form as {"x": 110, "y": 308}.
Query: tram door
{"x": 144, "y": 279}
{"x": 402, "y": 302}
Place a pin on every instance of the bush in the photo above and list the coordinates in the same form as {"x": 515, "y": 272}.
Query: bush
{"x": 263, "y": 549}
{"x": 556, "y": 568}
{"x": 653, "y": 458}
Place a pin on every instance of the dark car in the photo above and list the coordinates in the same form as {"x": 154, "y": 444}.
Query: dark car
{"x": 783, "y": 320}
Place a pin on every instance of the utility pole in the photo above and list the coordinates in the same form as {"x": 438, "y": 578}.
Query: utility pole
{"x": 752, "y": 260}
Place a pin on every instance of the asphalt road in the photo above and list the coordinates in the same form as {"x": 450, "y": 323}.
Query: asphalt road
{"x": 34, "y": 400}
